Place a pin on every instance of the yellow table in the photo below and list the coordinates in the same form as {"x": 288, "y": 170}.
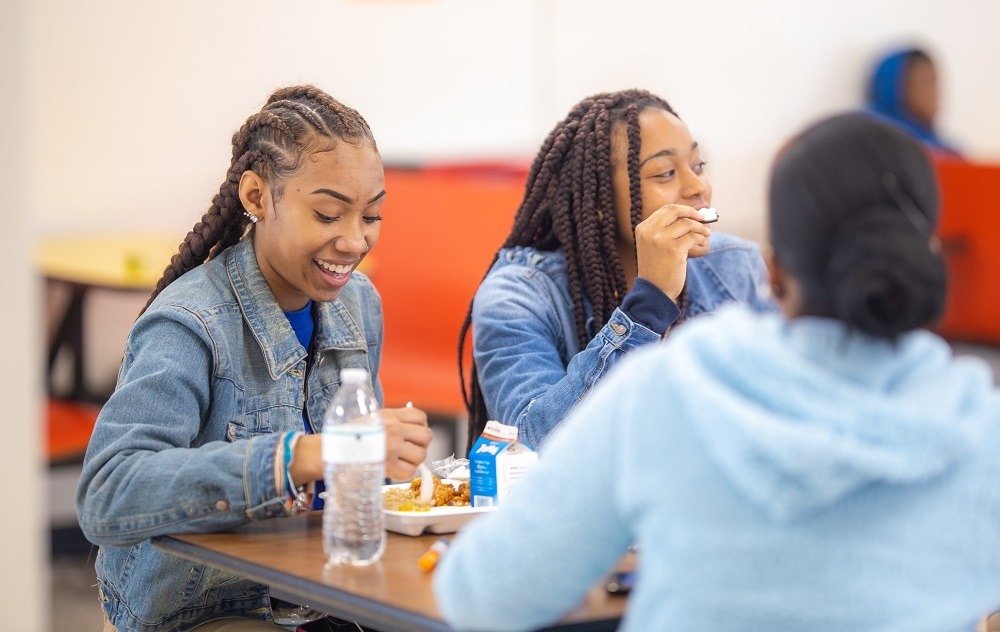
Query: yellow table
{"x": 127, "y": 261}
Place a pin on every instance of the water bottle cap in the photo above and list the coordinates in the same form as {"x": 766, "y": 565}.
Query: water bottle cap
{"x": 353, "y": 376}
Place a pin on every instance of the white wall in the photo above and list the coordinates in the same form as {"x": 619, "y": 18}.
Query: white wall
{"x": 23, "y": 573}
{"x": 132, "y": 103}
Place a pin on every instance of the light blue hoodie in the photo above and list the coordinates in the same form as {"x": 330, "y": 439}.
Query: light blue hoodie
{"x": 776, "y": 475}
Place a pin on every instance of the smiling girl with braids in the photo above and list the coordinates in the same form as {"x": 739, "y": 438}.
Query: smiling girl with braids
{"x": 606, "y": 254}
{"x": 228, "y": 370}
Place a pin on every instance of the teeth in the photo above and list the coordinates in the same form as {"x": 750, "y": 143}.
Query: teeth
{"x": 335, "y": 269}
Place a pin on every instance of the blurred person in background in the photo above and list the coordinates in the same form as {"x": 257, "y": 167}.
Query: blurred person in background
{"x": 608, "y": 251}
{"x": 903, "y": 90}
{"x": 831, "y": 467}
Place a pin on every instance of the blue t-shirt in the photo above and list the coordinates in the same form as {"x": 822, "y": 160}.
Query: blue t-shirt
{"x": 303, "y": 325}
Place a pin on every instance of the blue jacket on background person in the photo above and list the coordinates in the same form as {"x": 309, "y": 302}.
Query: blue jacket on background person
{"x": 903, "y": 91}
{"x": 212, "y": 365}
{"x": 531, "y": 367}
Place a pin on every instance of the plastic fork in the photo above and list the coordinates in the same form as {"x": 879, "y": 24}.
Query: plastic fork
{"x": 426, "y": 478}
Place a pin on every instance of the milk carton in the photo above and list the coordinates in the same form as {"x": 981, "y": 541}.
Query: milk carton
{"x": 497, "y": 460}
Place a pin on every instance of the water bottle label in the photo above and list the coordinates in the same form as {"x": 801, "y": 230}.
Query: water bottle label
{"x": 348, "y": 444}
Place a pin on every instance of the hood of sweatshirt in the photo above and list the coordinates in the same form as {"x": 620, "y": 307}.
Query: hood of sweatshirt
{"x": 806, "y": 411}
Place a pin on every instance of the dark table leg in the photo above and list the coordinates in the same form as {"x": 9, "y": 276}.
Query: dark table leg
{"x": 69, "y": 338}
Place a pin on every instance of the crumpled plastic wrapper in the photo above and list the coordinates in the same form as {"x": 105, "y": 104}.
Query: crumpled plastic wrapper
{"x": 450, "y": 467}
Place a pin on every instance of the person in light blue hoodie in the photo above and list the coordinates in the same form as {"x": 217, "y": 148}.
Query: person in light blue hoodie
{"x": 829, "y": 468}
{"x": 607, "y": 252}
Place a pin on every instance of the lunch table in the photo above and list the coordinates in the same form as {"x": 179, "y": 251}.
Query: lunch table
{"x": 393, "y": 595}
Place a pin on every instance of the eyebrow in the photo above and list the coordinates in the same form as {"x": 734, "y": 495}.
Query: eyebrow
{"x": 344, "y": 198}
{"x": 665, "y": 152}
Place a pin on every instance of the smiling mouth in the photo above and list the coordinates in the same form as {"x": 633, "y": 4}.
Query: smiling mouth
{"x": 335, "y": 269}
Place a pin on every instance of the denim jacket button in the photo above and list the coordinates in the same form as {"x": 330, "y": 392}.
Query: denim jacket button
{"x": 222, "y": 505}
{"x": 619, "y": 329}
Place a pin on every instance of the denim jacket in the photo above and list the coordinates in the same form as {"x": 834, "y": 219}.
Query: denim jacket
{"x": 212, "y": 374}
{"x": 531, "y": 369}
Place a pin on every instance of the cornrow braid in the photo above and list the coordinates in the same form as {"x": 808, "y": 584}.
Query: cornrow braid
{"x": 270, "y": 143}
{"x": 569, "y": 203}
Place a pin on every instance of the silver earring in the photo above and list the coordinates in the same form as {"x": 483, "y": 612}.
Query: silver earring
{"x": 253, "y": 218}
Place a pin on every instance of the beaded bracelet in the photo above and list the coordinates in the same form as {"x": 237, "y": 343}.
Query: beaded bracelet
{"x": 298, "y": 500}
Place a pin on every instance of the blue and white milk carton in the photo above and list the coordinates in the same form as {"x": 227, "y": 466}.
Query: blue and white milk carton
{"x": 497, "y": 460}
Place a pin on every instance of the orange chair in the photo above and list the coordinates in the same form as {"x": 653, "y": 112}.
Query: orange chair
{"x": 442, "y": 227}
{"x": 70, "y": 425}
{"x": 970, "y": 236}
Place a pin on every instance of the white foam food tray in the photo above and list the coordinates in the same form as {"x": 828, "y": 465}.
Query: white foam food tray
{"x": 434, "y": 520}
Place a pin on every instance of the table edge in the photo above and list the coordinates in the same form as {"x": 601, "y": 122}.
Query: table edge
{"x": 367, "y": 611}
{"x": 290, "y": 587}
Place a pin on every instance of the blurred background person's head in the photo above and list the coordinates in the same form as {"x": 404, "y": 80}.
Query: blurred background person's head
{"x": 854, "y": 205}
{"x": 904, "y": 90}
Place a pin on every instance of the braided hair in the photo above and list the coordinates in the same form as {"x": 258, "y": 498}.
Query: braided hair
{"x": 271, "y": 143}
{"x": 569, "y": 203}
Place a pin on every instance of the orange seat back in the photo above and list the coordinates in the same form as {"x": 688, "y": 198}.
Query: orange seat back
{"x": 69, "y": 427}
{"x": 442, "y": 227}
{"x": 970, "y": 235}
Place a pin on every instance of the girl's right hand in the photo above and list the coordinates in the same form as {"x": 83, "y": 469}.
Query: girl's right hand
{"x": 662, "y": 243}
{"x": 407, "y": 438}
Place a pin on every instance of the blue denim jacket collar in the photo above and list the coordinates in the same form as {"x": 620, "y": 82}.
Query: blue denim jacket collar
{"x": 335, "y": 329}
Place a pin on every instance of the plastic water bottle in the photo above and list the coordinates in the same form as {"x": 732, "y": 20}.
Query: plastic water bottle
{"x": 354, "y": 470}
